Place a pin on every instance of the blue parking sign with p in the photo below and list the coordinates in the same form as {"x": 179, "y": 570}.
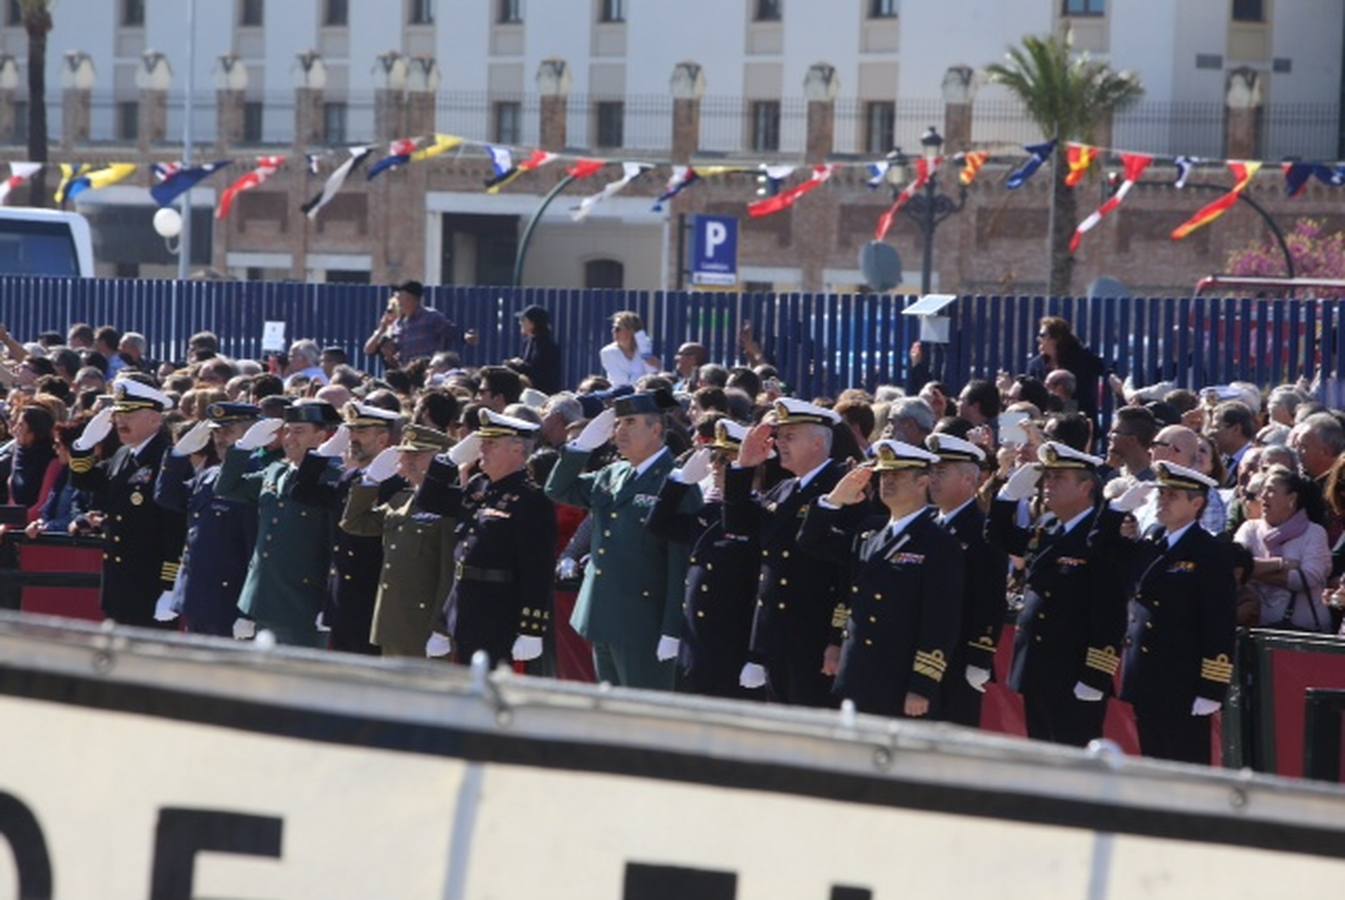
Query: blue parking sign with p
{"x": 715, "y": 250}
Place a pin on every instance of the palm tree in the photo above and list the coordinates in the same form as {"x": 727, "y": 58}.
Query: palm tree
{"x": 1068, "y": 97}
{"x": 37, "y": 22}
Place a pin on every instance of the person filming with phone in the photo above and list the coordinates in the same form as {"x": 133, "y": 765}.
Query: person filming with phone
{"x": 410, "y": 330}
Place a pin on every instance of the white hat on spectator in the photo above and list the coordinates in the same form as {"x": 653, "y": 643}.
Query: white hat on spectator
{"x": 533, "y": 397}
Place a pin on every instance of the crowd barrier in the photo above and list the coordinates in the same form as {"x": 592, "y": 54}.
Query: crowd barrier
{"x": 1265, "y": 726}
{"x": 822, "y": 343}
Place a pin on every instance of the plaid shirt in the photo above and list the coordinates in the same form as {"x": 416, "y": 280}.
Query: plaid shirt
{"x": 424, "y": 334}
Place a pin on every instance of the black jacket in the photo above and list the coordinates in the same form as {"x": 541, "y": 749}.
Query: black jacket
{"x": 983, "y": 592}
{"x": 542, "y": 362}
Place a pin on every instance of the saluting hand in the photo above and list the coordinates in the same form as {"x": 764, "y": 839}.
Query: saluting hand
{"x": 194, "y": 441}
{"x": 99, "y": 427}
{"x": 336, "y": 445}
{"x": 757, "y": 446}
{"x": 1021, "y": 483}
{"x": 850, "y": 489}
{"x": 259, "y": 434}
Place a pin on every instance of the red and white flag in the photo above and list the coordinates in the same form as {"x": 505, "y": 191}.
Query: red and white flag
{"x": 1135, "y": 164}
{"x": 266, "y": 167}
{"x": 19, "y": 173}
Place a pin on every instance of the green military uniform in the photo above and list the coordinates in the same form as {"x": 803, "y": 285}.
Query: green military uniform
{"x": 633, "y": 585}
{"x": 417, "y": 555}
{"x": 286, "y": 584}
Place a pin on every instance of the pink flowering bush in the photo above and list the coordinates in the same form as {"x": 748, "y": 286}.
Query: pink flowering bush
{"x": 1316, "y": 254}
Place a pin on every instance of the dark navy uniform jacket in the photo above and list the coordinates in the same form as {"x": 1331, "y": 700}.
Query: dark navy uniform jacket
{"x": 503, "y": 561}
{"x": 983, "y": 592}
{"x": 1073, "y": 614}
{"x": 221, "y": 535}
{"x": 796, "y": 591}
{"x": 143, "y": 541}
{"x": 720, "y": 590}
{"x": 902, "y": 609}
{"x": 1179, "y": 641}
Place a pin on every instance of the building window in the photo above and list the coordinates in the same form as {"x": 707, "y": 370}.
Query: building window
{"x": 13, "y": 13}
{"x": 611, "y": 123}
{"x": 1085, "y": 7}
{"x": 336, "y": 13}
{"x": 250, "y": 13}
{"x": 613, "y": 11}
{"x": 132, "y": 13}
{"x": 769, "y": 10}
{"x": 882, "y": 9}
{"x": 880, "y": 121}
{"x": 252, "y": 122}
{"x": 128, "y": 120}
{"x": 508, "y": 122}
{"x": 334, "y": 123}
{"x": 766, "y": 125}
{"x": 1249, "y": 11}
{"x": 604, "y": 273}
{"x": 510, "y": 12}
{"x": 422, "y": 12}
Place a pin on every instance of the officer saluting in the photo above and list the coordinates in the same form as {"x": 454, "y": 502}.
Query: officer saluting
{"x": 953, "y": 482}
{"x": 1179, "y": 646}
{"x": 900, "y": 619}
{"x": 501, "y": 596}
{"x": 286, "y": 584}
{"x": 417, "y": 545}
{"x": 143, "y": 540}
{"x": 796, "y": 592}
{"x": 722, "y": 572}
{"x": 220, "y": 533}
{"x": 1069, "y": 630}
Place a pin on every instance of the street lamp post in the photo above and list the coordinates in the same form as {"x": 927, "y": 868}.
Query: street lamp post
{"x": 928, "y": 208}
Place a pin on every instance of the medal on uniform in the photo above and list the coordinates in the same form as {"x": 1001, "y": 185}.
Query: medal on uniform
{"x": 137, "y": 498}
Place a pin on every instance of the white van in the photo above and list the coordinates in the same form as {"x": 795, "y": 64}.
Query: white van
{"x": 45, "y": 242}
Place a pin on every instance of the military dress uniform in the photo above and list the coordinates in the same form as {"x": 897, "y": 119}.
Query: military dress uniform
{"x": 286, "y": 582}
{"x": 632, "y": 589}
{"x": 721, "y": 580}
{"x": 1179, "y": 643}
{"x": 797, "y": 592}
{"x": 983, "y": 592}
{"x": 142, "y": 540}
{"x": 505, "y": 544}
{"x": 417, "y": 554}
{"x": 221, "y": 534}
{"x": 357, "y": 559}
{"x": 898, "y": 622}
{"x": 1069, "y": 630}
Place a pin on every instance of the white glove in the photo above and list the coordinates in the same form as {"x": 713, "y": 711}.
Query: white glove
{"x": 644, "y": 344}
{"x": 244, "y": 629}
{"x": 261, "y": 433}
{"x": 320, "y": 624}
{"x": 383, "y": 467}
{"x": 568, "y": 570}
{"x": 438, "y": 646}
{"x": 1021, "y": 483}
{"x": 526, "y": 647}
{"x": 667, "y": 648}
{"x": 1084, "y": 692}
{"x": 99, "y": 427}
{"x": 194, "y": 441}
{"x": 163, "y": 608}
{"x": 696, "y": 468}
{"x": 336, "y": 445}
{"x": 465, "y": 451}
{"x": 752, "y": 676}
{"x": 1133, "y": 497}
{"x": 597, "y": 432}
{"x": 1203, "y": 706}
{"x": 978, "y": 678}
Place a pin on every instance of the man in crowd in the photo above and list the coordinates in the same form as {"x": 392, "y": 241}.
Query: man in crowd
{"x": 143, "y": 539}
{"x": 286, "y": 584}
{"x": 1128, "y": 442}
{"x": 797, "y": 593}
{"x": 414, "y": 330}
{"x": 631, "y": 600}
{"x": 1232, "y": 428}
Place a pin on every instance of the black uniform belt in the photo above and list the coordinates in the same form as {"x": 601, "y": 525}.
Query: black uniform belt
{"x": 472, "y": 573}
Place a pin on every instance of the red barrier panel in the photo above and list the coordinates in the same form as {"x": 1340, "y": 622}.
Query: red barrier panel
{"x": 1288, "y": 665}
{"x": 55, "y": 560}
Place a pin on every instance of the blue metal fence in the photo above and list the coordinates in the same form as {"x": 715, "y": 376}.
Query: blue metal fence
{"x": 822, "y": 343}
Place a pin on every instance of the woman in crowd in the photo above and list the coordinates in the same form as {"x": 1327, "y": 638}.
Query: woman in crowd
{"x": 629, "y": 357}
{"x": 63, "y": 502}
{"x": 1059, "y": 348}
{"x": 541, "y": 356}
{"x": 35, "y": 467}
{"x": 1292, "y": 557}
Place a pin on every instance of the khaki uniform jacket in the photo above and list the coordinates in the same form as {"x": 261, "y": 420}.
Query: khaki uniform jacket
{"x": 417, "y": 566}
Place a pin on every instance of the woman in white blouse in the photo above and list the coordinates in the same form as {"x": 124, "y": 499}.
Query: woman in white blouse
{"x": 629, "y": 357}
